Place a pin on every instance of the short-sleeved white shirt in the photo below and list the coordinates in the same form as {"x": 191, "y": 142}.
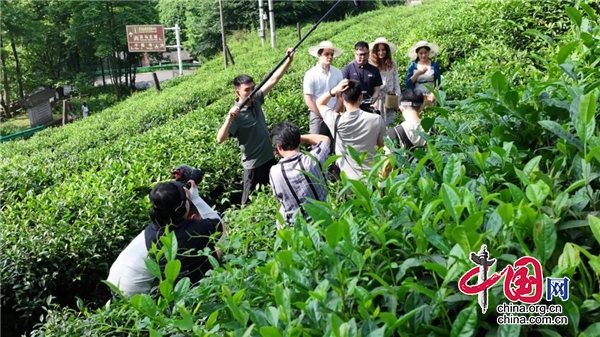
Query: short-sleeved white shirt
{"x": 129, "y": 272}
{"x": 317, "y": 82}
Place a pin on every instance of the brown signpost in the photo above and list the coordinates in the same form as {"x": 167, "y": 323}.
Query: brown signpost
{"x": 146, "y": 38}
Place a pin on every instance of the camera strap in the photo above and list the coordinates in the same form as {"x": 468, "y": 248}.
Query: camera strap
{"x": 403, "y": 137}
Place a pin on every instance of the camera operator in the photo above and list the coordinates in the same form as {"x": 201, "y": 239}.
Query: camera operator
{"x": 182, "y": 211}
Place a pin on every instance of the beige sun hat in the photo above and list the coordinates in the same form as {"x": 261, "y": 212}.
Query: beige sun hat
{"x": 393, "y": 47}
{"x": 325, "y": 45}
{"x": 412, "y": 51}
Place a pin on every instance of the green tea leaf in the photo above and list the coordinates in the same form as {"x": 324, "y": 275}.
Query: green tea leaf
{"x": 210, "y": 322}
{"x": 589, "y": 10}
{"x": 269, "y": 331}
{"x": 532, "y": 166}
{"x": 272, "y": 315}
{"x": 506, "y": 212}
{"x": 466, "y": 238}
{"x": 589, "y": 305}
{"x": 592, "y": 330}
{"x": 451, "y": 172}
{"x": 573, "y": 224}
{"x": 565, "y": 51}
{"x": 465, "y": 323}
{"x": 451, "y": 201}
{"x": 153, "y": 268}
{"x": 548, "y": 333}
{"x": 574, "y": 15}
{"x": 437, "y": 240}
{"x": 544, "y": 237}
{"x": 181, "y": 289}
{"x": 586, "y": 124}
{"x": 594, "y": 223}
{"x": 435, "y": 157}
{"x": 508, "y": 330}
{"x": 438, "y": 268}
{"x": 148, "y": 305}
{"x": 154, "y": 333}
{"x": 569, "y": 259}
{"x": 407, "y": 264}
{"x": 571, "y": 310}
{"x": 535, "y": 32}
{"x": 166, "y": 288}
{"x": 186, "y": 323}
{"x": 172, "y": 270}
{"x": 537, "y": 193}
{"x": 522, "y": 176}
{"x": 556, "y": 129}
{"x": 499, "y": 83}
{"x": 516, "y": 192}
{"x": 333, "y": 234}
{"x": 590, "y": 87}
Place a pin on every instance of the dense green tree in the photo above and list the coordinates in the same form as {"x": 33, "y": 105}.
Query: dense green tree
{"x": 200, "y": 20}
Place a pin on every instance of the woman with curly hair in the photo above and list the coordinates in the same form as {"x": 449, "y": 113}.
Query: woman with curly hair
{"x": 381, "y": 57}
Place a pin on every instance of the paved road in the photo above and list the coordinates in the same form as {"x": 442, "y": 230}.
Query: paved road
{"x": 145, "y": 80}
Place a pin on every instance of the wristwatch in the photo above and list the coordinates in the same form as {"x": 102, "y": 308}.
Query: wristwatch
{"x": 330, "y": 94}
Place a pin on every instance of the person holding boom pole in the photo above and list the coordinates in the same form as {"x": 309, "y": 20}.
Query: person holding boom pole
{"x": 249, "y": 127}
{"x": 246, "y": 120}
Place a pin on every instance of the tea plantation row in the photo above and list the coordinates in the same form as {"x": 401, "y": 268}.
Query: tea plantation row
{"x": 387, "y": 264}
{"x": 70, "y": 209}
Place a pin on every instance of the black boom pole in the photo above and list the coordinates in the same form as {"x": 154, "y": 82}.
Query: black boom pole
{"x": 257, "y": 88}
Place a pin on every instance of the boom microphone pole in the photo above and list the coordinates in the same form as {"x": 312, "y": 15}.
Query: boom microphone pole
{"x": 257, "y": 88}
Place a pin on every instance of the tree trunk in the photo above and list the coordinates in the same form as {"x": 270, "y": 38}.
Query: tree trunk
{"x": 114, "y": 55}
{"x": 18, "y": 70}
{"x": 134, "y": 76}
{"x": 5, "y": 89}
{"x": 102, "y": 68}
{"x": 127, "y": 71}
{"x": 4, "y": 106}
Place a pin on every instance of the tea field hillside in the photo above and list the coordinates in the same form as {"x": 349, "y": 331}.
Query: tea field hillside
{"x": 514, "y": 164}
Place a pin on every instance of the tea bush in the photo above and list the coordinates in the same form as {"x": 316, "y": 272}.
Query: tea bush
{"x": 69, "y": 210}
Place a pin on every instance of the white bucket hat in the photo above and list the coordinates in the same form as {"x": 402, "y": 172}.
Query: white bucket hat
{"x": 324, "y": 45}
{"x": 393, "y": 47}
{"x": 433, "y": 49}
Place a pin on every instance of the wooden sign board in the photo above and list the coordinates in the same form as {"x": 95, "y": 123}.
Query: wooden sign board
{"x": 146, "y": 38}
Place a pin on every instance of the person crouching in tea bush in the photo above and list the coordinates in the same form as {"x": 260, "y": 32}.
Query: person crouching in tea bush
{"x": 182, "y": 211}
{"x": 403, "y": 135}
{"x": 291, "y": 186}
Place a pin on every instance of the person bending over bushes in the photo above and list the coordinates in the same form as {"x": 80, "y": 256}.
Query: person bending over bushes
{"x": 403, "y": 135}
{"x": 357, "y": 128}
{"x": 289, "y": 183}
{"x": 180, "y": 209}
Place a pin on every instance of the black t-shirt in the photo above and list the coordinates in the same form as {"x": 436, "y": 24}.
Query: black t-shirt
{"x": 191, "y": 235}
{"x": 368, "y": 76}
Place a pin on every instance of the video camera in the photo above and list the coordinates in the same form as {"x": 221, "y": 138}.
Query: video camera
{"x": 365, "y": 105}
{"x": 185, "y": 173}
